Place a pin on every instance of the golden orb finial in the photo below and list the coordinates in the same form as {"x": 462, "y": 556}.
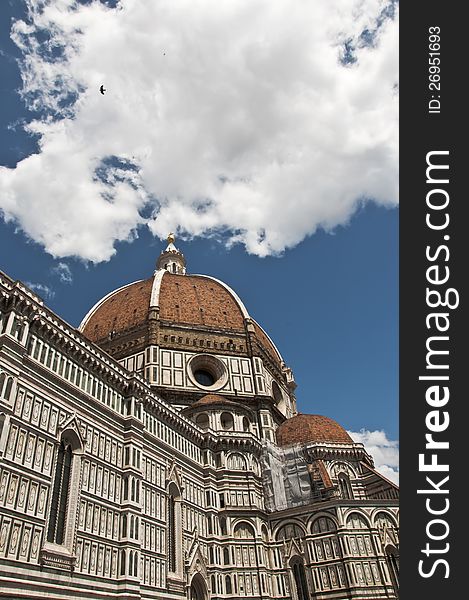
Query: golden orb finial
{"x": 171, "y": 237}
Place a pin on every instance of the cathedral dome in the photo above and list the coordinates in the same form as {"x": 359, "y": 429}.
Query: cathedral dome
{"x": 193, "y": 315}
{"x": 303, "y": 429}
{"x": 190, "y": 300}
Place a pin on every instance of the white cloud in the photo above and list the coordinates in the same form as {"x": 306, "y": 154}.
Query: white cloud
{"x": 235, "y": 117}
{"x": 62, "y": 270}
{"x": 41, "y": 289}
{"x": 385, "y": 452}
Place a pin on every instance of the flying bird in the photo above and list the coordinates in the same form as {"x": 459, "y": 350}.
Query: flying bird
{"x": 102, "y": 90}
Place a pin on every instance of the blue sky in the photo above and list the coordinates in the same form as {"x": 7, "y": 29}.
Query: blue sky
{"x": 288, "y": 192}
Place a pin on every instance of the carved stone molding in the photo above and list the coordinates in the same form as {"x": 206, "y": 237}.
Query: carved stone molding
{"x": 57, "y": 557}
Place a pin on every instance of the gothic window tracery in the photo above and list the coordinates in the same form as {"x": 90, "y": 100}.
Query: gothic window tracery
{"x": 290, "y": 532}
{"x": 323, "y": 525}
{"x": 236, "y": 462}
{"x": 357, "y": 521}
{"x": 244, "y": 530}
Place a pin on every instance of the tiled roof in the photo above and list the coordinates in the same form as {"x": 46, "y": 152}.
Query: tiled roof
{"x": 187, "y": 300}
{"x": 302, "y": 429}
{"x": 266, "y": 343}
{"x": 123, "y": 310}
{"x": 212, "y": 399}
{"x": 183, "y": 299}
{"x": 196, "y": 300}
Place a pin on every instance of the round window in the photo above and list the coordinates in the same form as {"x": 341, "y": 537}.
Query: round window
{"x": 204, "y": 377}
{"x": 207, "y": 372}
{"x": 276, "y": 392}
{"x": 226, "y": 420}
{"x": 202, "y": 421}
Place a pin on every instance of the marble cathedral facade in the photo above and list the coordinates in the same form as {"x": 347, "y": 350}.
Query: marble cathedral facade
{"x": 156, "y": 452}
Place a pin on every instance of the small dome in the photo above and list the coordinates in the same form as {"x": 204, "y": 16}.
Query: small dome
{"x": 302, "y": 429}
{"x": 212, "y": 400}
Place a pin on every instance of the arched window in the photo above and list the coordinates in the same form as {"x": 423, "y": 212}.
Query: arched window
{"x": 228, "y": 588}
{"x": 290, "y": 531}
{"x": 356, "y": 521}
{"x": 4, "y": 422}
{"x": 383, "y": 520}
{"x": 345, "y": 488}
{"x": 323, "y": 525}
{"x": 198, "y": 589}
{"x": 60, "y": 492}
{"x": 236, "y": 462}
{"x": 226, "y": 556}
{"x": 172, "y": 533}
{"x": 202, "y": 421}
{"x": 64, "y": 497}
{"x": 299, "y": 576}
{"x": 226, "y": 420}
{"x": 6, "y": 383}
{"x": 174, "y": 529}
{"x": 131, "y": 562}
{"x": 244, "y": 530}
{"x": 246, "y": 425}
{"x": 392, "y": 558}
{"x": 223, "y": 529}
{"x": 124, "y": 526}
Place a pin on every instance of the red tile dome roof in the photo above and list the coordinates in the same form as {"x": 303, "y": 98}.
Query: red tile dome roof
{"x": 123, "y": 309}
{"x": 183, "y": 299}
{"x": 302, "y": 429}
{"x": 213, "y": 400}
{"x": 200, "y": 300}
{"x": 195, "y": 303}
